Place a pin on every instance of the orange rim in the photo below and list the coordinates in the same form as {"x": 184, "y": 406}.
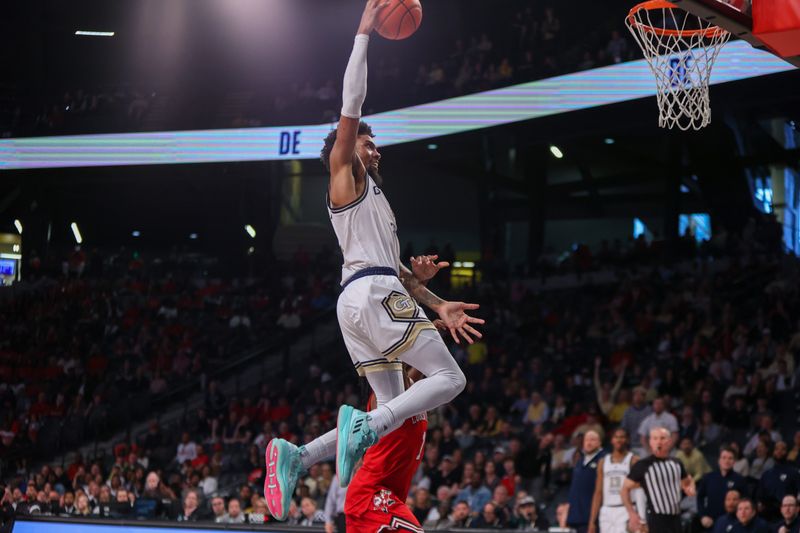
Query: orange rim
{"x": 650, "y": 5}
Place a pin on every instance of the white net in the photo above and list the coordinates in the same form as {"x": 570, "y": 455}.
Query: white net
{"x": 681, "y": 49}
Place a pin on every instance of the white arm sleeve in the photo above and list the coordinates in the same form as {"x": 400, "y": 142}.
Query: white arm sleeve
{"x": 355, "y": 79}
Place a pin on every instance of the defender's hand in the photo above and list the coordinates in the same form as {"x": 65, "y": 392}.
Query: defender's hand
{"x": 370, "y": 15}
{"x": 425, "y": 267}
{"x": 455, "y": 318}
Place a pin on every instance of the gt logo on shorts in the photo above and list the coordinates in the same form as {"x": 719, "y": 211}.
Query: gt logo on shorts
{"x": 382, "y": 501}
{"x": 401, "y": 307}
{"x": 402, "y": 304}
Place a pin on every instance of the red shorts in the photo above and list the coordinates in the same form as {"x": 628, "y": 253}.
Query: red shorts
{"x": 387, "y": 513}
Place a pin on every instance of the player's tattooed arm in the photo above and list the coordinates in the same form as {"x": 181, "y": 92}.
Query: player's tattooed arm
{"x": 452, "y": 314}
{"x": 417, "y": 289}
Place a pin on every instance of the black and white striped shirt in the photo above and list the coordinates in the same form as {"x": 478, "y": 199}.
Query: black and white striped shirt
{"x": 661, "y": 479}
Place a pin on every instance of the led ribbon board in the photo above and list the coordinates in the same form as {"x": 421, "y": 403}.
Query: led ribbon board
{"x": 581, "y": 90}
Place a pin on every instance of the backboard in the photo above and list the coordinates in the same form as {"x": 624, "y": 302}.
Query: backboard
{"x": 737, "y": 16}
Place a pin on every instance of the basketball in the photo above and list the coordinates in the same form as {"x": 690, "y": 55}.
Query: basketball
{"x": 400, "y": 19}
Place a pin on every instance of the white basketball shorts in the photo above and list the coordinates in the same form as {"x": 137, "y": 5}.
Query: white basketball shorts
{"x": 379, "y": 321}
{"x": 613, "y": 519}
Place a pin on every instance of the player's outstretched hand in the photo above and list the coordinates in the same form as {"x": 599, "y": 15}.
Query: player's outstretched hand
{"x": 425, "y": 267}
{"x": 454, "y": 316}
{"x": 370, "y": 16}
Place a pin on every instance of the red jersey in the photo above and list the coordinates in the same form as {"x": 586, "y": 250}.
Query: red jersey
{"x": 388, "y": 465}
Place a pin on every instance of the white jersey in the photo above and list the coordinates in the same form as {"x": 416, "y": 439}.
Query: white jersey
{"x": 614, "y": 475}
{"x": 367, "y": 231}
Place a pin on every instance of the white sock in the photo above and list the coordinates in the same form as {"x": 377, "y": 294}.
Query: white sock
{"x": 323, "y": 448}
{"x": 444, "y": 381}
{"x": 383, "y": 421}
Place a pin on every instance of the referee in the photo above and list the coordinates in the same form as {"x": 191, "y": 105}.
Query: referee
{"x": 662, "y": 478}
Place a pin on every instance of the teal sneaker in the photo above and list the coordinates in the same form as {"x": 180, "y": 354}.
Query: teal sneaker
{"x": 284, "y": 468}
{"x": 354, "y": 436}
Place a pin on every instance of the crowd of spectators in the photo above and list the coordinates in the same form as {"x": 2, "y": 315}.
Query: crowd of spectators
{"x": 706, "y": 348}
{"x": 761, "y": 234}
{"x": 76, "y": 110}
{"x": 530, "y": 43}
{"x": 92, "y": 344}
{"x": 497, "y": 46}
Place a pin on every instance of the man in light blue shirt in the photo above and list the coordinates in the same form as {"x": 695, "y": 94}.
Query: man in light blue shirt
{"x": 476, "y": 494}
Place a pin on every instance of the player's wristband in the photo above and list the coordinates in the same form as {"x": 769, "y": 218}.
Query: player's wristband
{"x": 354, "y": 91}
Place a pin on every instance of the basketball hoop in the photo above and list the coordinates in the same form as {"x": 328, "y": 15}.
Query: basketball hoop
{"x": 681, "y": 49}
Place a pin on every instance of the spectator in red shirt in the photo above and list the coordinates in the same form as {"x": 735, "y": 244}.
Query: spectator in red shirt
{"x": 201, "y": 459}
{"x": 509, "y": 480}
{"x": 568, "y": 426}
{"x": 282, "y": 411}
{"x": 76, "y": 465}
{"x": 285, "y": 433}
{"x": 41, "y": 407}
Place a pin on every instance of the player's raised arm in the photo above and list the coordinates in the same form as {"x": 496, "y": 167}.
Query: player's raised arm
{"x": 354, "y": 92}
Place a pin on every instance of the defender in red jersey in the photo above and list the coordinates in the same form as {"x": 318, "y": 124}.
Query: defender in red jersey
{"x": 376, "y": 497}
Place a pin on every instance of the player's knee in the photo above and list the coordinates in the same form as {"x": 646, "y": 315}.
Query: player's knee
{"x": 458, "y": 381}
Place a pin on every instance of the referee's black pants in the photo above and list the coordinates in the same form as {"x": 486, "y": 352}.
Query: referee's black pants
{"x": 664, "y": 523}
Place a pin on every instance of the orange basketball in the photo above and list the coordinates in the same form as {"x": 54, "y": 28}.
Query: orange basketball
{"x": 400, "y": 19}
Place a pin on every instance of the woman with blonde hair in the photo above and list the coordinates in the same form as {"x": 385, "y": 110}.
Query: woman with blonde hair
{"x": 82, "y": 507}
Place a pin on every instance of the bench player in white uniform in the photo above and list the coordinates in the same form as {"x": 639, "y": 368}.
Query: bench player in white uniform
{"x": 611, "y": 473}
{"x": 378, "y": 310}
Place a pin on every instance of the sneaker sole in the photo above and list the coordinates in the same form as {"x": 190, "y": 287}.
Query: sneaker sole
{"x": 342, "y": 428}
{"x": 273, "y": 489}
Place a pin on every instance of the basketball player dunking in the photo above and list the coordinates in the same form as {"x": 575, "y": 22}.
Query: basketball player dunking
{"x": 381, "y": 321}
{"x": 611, "y": 473}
